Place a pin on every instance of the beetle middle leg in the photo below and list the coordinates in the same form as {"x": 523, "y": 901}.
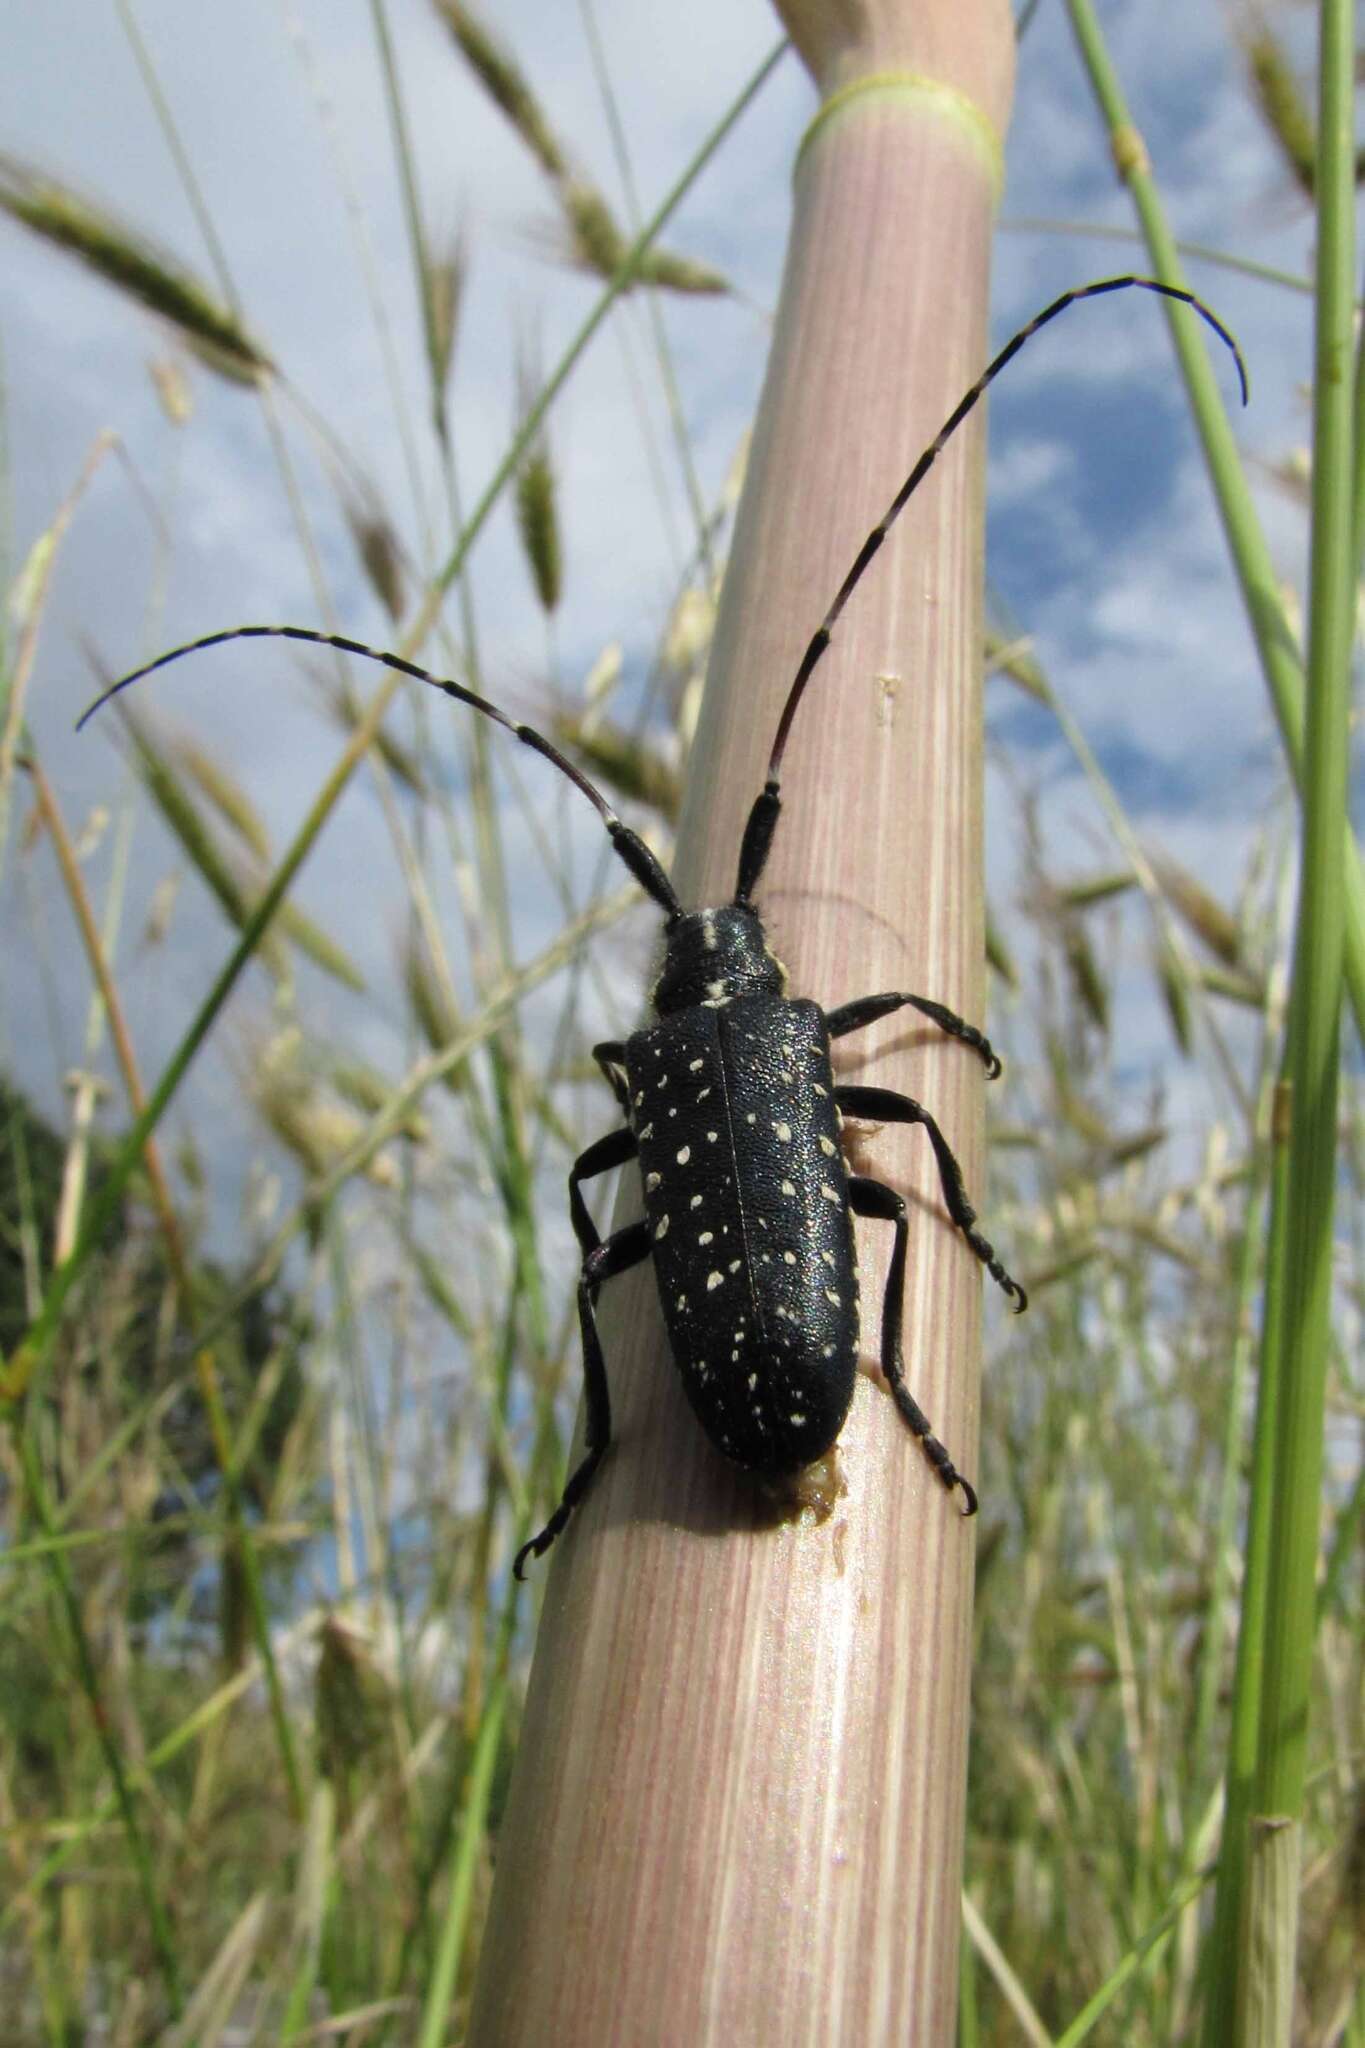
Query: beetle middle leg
{"x": 883, "y": 1105}
{"x": 613, "y": 1150}
{"x": 615, "y": 1254}
{"x": 868, "y": 1009}
{"x": 600, "y": 1261}
{"x": 869, "y": 1198}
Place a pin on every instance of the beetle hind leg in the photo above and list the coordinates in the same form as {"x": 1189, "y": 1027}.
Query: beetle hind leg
{"x": 883, "y": 1105}
{"x": 614, "y": 1255}
{"x": 870, "y": 1198}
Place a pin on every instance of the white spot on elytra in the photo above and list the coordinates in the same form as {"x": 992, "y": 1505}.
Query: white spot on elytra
{"x": 682, "y": 1301}
{"x": 639, "y": 1098}
{"x": 714, "y": 1280}
{"x": 651, "y": 1182}
{"x": 788, "y": 1187}
{"x": 797, "y": 1417}
{"x": 661, "y": 1227}
{"x": 828, "y": 1258}
{"x": 790, "y": 1258}
{"x": 784, "y": 1132}
{"x": 735, "y": 1265}
{"x": 753, "y": 1377}
{"x": 646, "y": 1131}
{"x": 828, "y": 1147}
{"x": 830, "y": 1295}
{"x": 696, "y": 1066}
{"x": 703, "y": 1094}
{"x": 751, "y": 1118}
{"x": 711, "y": 1137}
{"x": 818, "y": 1089}
{"x": 684, "y": 1155}
{"x": 706, "y": 1237}
{"x": 828, "y": 1192}
{"x": 695, "y": 1203}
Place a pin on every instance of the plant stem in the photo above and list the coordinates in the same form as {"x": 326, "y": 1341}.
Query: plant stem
{"x": 1281, "y": 663}
{"x": 1267, "y": 1976}
{"x": 717, "y": 1706}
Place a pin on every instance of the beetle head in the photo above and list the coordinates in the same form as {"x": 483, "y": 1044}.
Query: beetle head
{"x": 712, "y": 956}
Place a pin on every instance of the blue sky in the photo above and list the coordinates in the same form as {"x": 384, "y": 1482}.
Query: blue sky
{"x": 1103, "y": 543}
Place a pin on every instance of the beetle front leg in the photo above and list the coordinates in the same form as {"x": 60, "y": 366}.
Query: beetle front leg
{"x": 883, "y": 1105}
{"x": 869, "y": 1198}
{"x": 611, "y": 1058}
{"x": 868, "y": 1009}
{"x": 615, "y": 1254}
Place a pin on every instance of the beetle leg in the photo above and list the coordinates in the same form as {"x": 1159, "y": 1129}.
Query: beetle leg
{"x": 613, "y": 1150}
{"x": 883, "y": 1105}
{"x": 611, "y": 1058}
{"x": 870, "y": 1198}
{"x": 868, "y": 1009}
{"x": 614, "y": 1255}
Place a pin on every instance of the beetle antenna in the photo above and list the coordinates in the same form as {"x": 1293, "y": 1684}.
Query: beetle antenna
{"x": 763, "y": 817}
{"x": 643, "y": 864}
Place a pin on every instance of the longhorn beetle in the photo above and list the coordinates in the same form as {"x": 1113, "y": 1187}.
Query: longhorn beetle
{"x": 734, "y": 1116}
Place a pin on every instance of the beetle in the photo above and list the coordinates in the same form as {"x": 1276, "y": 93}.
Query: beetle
{"x": 734, "y": 1116}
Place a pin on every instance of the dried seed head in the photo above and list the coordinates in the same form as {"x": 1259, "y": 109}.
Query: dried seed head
{"x": 445, "y": 283}
{"x": 432, "y": 1008}
{"x": 538, "y": 525}
{"x": 126, "y": 259}
{"x": 501, "y": 78}
{"x": 1088, "y": 984}
{"x": 597, "y": 244}
{"x": 1283, "y": 107}
{"x": 173, "y": 389}
{"x": 226, "y": 795}
{"x": 600, "y": 683}
{"x": 379, "y": 551}
{"x": 1175, "y": 993}
{"x": 629, "y": 766}
{"x": 1204, "y": 915}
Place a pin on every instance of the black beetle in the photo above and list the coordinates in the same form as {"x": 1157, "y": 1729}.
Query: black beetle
{"x": 734, "y": 1115}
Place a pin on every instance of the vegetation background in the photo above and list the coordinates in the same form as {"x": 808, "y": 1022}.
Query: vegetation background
{"x": 314, "y": 1368}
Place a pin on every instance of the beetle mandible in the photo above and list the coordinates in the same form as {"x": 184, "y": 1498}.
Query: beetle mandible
{"x": 734, "y": 1116}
